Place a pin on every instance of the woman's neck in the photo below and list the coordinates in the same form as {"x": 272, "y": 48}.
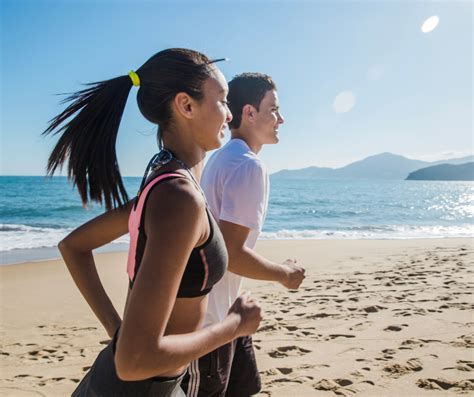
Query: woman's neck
{"x": 191, "y": 155}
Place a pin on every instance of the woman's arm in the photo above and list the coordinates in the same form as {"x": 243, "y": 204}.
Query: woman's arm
{"x": 175, "y": 222}
{"x": 76, "y": 250}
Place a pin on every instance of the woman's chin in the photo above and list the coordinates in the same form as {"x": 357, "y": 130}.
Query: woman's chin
{"x": 215, "y": 145}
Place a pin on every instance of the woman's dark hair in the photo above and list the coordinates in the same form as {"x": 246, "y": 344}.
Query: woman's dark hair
{"x": 88, "y": 139}
{"x": 247, "y": 89}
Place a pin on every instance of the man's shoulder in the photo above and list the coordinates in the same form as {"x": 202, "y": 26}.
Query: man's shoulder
{"x": 252, "y": 162}
{"x": 240, "y": 151}
{"x": 233, "y": 155}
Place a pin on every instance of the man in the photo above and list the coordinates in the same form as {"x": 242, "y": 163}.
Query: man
{"x": 236, "y": 185}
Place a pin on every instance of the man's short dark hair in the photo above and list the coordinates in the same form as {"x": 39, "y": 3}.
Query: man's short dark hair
{"x": 247, "y": 89}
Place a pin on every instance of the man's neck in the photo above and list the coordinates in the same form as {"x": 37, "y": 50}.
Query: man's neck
{"x": 245, "y": 136}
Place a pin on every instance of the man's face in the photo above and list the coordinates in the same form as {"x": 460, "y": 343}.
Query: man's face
{"x": 268, "y": 119}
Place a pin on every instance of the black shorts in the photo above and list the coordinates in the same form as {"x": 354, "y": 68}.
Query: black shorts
{"x": 229, "y": 371}
{"x": 102, "y": 381}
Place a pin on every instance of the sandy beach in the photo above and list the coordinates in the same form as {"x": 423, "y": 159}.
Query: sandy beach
{"x": 372, "y": 318}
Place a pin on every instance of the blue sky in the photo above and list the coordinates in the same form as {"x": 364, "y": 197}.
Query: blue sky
{"x": 413, "y": 90}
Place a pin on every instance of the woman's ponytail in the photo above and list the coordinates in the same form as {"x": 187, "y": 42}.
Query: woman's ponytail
{"x": 88, "y": 141}
{"x": 88, "y": 127}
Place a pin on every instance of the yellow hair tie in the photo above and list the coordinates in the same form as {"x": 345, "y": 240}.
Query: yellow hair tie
{"x": 135, "y": 78}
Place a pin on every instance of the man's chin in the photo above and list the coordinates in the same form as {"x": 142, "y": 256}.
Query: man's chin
{"x": 271, "y": 141}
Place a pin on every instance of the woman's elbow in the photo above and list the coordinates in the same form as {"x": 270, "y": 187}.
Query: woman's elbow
{"x": 70, "y": 245}
{"x": 137, "y": 365}
{"x": 64, "y": 246}
{"x": 125, "y": 369}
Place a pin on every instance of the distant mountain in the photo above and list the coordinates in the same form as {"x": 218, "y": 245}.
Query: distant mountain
{"x": 310, "y": 172}
{"x": 461, "y": 160}
{"x": 380, "y": 166}
{"x": 445, "y": 172}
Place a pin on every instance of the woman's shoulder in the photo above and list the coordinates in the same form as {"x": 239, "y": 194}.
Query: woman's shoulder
{"x": 177, "y": 195}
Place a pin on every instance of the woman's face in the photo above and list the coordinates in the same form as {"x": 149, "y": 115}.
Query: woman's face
{"x": 213, "y": 113}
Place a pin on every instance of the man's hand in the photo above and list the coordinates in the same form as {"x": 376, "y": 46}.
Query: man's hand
{"x": 293, "y": 275}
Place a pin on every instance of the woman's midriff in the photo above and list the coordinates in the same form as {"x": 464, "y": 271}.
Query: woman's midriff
{"x": 187, "y": 316}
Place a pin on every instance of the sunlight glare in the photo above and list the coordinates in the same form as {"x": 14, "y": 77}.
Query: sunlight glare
{"x": 430, "y": 24}
{"x": 344, "y": 102}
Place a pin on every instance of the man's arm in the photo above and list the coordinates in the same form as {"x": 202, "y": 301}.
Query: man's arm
{"x": 248, "y": 263}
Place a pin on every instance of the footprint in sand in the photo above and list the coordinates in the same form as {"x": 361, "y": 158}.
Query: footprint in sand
{"x": 321, "y": 315}
{"x": 269, "y": 328}
{"x": 45, "y": 382}
{"x": 443, "y": 384}
{"x": 463, "y": 365}
{"x": 335, "y": 336}
{"x": 465, "y": 341}
{"x": 389, "y": 352}
{"x": 285, "y": 351}
{"x": 395, "y": 328}
{"x": 410, "y": 344}
{"x": 361, "y": 326}
{"x": 286, "y": 371}
{"x": 397, "y": 370}
{"x": 286, "y": 380}
{"x": 337, "y": 386}
{"x": 373, "y": 309}
{"x": 351, "y": 350}
{"x": 28, "y": 376}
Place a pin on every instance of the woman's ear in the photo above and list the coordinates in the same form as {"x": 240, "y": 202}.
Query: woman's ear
{"x": 184, "y": 105}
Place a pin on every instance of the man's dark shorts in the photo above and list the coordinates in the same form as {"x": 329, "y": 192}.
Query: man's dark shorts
{"x": 229, "y": 371}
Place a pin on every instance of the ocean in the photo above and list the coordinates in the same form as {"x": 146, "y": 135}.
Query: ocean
{"x": 37, "y": 212}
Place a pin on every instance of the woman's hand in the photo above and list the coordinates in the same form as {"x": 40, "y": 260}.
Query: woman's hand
{"x": 247, "y": 312}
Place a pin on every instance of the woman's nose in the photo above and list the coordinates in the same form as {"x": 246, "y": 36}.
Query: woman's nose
{"x": 229, "y": 117}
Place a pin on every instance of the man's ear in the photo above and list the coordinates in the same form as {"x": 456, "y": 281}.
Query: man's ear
{"x": 184, "y": 105}
{"x": 249, "y": 112}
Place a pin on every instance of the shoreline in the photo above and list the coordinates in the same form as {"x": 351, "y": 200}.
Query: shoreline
{"x": 20, "y": 256}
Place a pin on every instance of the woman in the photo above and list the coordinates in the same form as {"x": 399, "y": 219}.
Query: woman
{"x": 177, "y": 252}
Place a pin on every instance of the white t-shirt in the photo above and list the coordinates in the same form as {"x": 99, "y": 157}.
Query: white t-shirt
{"x": 236, "y": 185}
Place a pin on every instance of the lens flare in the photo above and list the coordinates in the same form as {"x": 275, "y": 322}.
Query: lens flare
{"x": 344, "y": 102}
{"x": 430, "y": 24}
